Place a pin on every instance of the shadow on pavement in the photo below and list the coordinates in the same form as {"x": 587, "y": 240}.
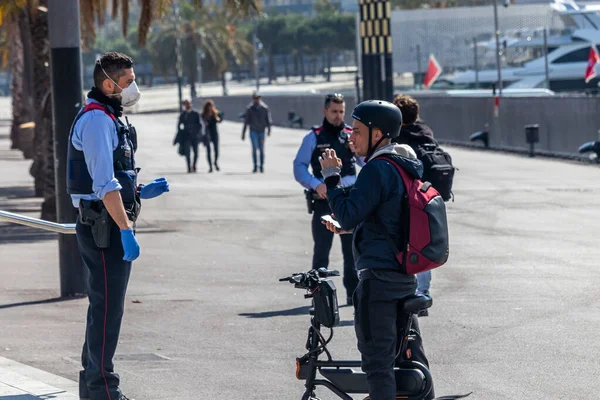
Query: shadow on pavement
{"x": 17, "y": 192}
{"x": 46, "y": 396}
{"x": 281, "y": 313}
{"x": 13, "y": 233}
{"x": 37, "y": 302}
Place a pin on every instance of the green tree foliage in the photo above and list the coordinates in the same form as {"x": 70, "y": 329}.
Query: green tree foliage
{"x": 412, "y": 4}
{"x": 210, "y": 30}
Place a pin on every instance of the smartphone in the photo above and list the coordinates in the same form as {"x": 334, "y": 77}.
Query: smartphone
{"x": 329, "y": 218}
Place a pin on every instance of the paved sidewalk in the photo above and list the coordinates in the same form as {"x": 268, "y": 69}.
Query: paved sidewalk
{"x": 22, "y": 382}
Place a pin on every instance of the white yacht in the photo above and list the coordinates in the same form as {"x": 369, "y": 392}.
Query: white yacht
{"x": 524, "y": 66}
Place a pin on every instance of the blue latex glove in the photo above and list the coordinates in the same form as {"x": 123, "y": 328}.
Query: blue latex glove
{"x": 131, "y": 247}
{"x": 154, "y": 188}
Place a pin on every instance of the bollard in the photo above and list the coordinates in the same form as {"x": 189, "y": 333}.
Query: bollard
{"x": 532, "y": 135}
{"x": 481, "y": 135}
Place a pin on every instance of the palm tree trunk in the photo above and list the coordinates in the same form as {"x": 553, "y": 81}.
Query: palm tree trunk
{"x": 20, "y": 51}
{"x": 192, "y": 63}
{"x": 16, "y": 84}
{"x": 286, "y": 67}
{"x": 44, "y": 141}
{"x": 271, "y": 66}
{"x": 301, "y": 56}
{"x": 296, "y": 56}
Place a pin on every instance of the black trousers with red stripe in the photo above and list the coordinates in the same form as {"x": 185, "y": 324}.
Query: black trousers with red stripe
{"x": 107, "y": 284}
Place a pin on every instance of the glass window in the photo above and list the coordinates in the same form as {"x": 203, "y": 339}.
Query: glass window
{"x": 580, "y": 55}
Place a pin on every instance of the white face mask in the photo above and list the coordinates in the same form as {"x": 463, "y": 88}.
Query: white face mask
{"x": 130, "y": 95}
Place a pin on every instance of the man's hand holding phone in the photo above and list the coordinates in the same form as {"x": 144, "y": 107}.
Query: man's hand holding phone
{"x": 333, "y": 225}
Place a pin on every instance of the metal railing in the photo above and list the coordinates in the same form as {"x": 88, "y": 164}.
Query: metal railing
{"x": 67, "y": 229}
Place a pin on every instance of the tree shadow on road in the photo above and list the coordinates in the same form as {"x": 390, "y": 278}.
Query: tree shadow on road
{"x": 17, "y": 192}
{"x": 9, "y": 201}
{"x": 304, "y": 310}
{"x": 13, "y": 233}
{"x": 45, "y": 396}
{"x": 37, "y": 302}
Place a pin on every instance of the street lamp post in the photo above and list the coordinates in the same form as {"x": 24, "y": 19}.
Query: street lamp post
{"x": 497, "y": 31}
{"x": 255, "y": 55}
{"x": 176, "y": 9}
{"x": 67, "y": 96}
{"x": 420, "y": 82}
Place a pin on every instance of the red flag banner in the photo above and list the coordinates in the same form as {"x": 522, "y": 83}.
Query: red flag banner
{"x": 593, "y": 59}
{"x": 433, "y": 72}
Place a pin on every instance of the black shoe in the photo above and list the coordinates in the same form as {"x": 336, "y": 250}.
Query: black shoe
{"x": 83, "y": 390}
{"x": 254, "y": 170}
{"x": 262, "y": 170}
{"x": 210, "y": 170}
{"x": 217, "y": 167}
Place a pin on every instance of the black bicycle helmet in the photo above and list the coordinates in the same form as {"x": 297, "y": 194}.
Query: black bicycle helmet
{"x": 380, "y": 114}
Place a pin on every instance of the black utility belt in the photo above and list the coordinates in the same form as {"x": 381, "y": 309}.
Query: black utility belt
{"x": 95, "y": 215}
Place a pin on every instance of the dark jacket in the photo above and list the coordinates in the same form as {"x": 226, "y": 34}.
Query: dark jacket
{"x": 415, "y": 134}
{"x": 375, "y": 198}
{"x": 257, "y": 117}
{"x": 189, "y": 123}
{"x": 211, "y": 126}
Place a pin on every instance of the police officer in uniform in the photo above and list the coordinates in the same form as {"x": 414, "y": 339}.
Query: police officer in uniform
{"x": 102, "y": 182}
{"x": 332, "y": 134}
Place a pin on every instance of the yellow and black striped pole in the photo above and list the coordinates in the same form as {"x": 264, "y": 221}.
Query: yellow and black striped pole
{"x": 376, "y": 46}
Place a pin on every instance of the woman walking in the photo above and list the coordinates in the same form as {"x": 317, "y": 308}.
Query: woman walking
{"x": 211, "y": 118}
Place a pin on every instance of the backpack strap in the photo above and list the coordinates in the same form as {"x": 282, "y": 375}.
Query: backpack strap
{"x": 96, "y": 106}
{"x": 406, "y": 179}
{"x": 405, "y": 221}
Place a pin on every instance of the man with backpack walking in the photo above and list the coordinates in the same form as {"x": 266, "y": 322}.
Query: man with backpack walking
{"x": 376, "y": 211}
{"x": 437, "y": 164}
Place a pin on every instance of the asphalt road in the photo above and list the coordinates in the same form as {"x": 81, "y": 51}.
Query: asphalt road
{"x": 516, "y": 310}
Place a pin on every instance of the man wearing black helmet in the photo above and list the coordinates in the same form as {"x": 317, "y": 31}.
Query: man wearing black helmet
{"x": 368, "y": 210}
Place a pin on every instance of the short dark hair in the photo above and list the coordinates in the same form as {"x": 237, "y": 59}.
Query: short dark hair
{"x": 336, "y": 98}
{"x": 409, "y": 108}
{"x": 113, "y": 64}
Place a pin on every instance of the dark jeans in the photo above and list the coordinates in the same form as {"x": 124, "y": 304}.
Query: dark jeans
{"x": 379, "y": 322}
{"x": 323, "y": 239}
{"x": 107, "y": 284}
{"x": 214, "y": 138}
{"x": 191, "y": 145}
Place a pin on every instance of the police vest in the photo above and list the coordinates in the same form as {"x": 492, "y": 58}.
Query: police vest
{"x": 79, "y": 180}
{"x": 339, "y": 143}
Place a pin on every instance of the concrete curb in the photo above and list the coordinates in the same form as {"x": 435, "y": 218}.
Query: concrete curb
{"x": 20, "y": 381}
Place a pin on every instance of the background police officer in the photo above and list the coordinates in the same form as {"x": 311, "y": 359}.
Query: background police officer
{"x": 332, "y": 134}
{"x": 371, "y": 208}
{"x": 102, "y": 182}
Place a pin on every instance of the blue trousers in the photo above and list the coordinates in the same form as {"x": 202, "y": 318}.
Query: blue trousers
{"x": 258, "y": 145}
